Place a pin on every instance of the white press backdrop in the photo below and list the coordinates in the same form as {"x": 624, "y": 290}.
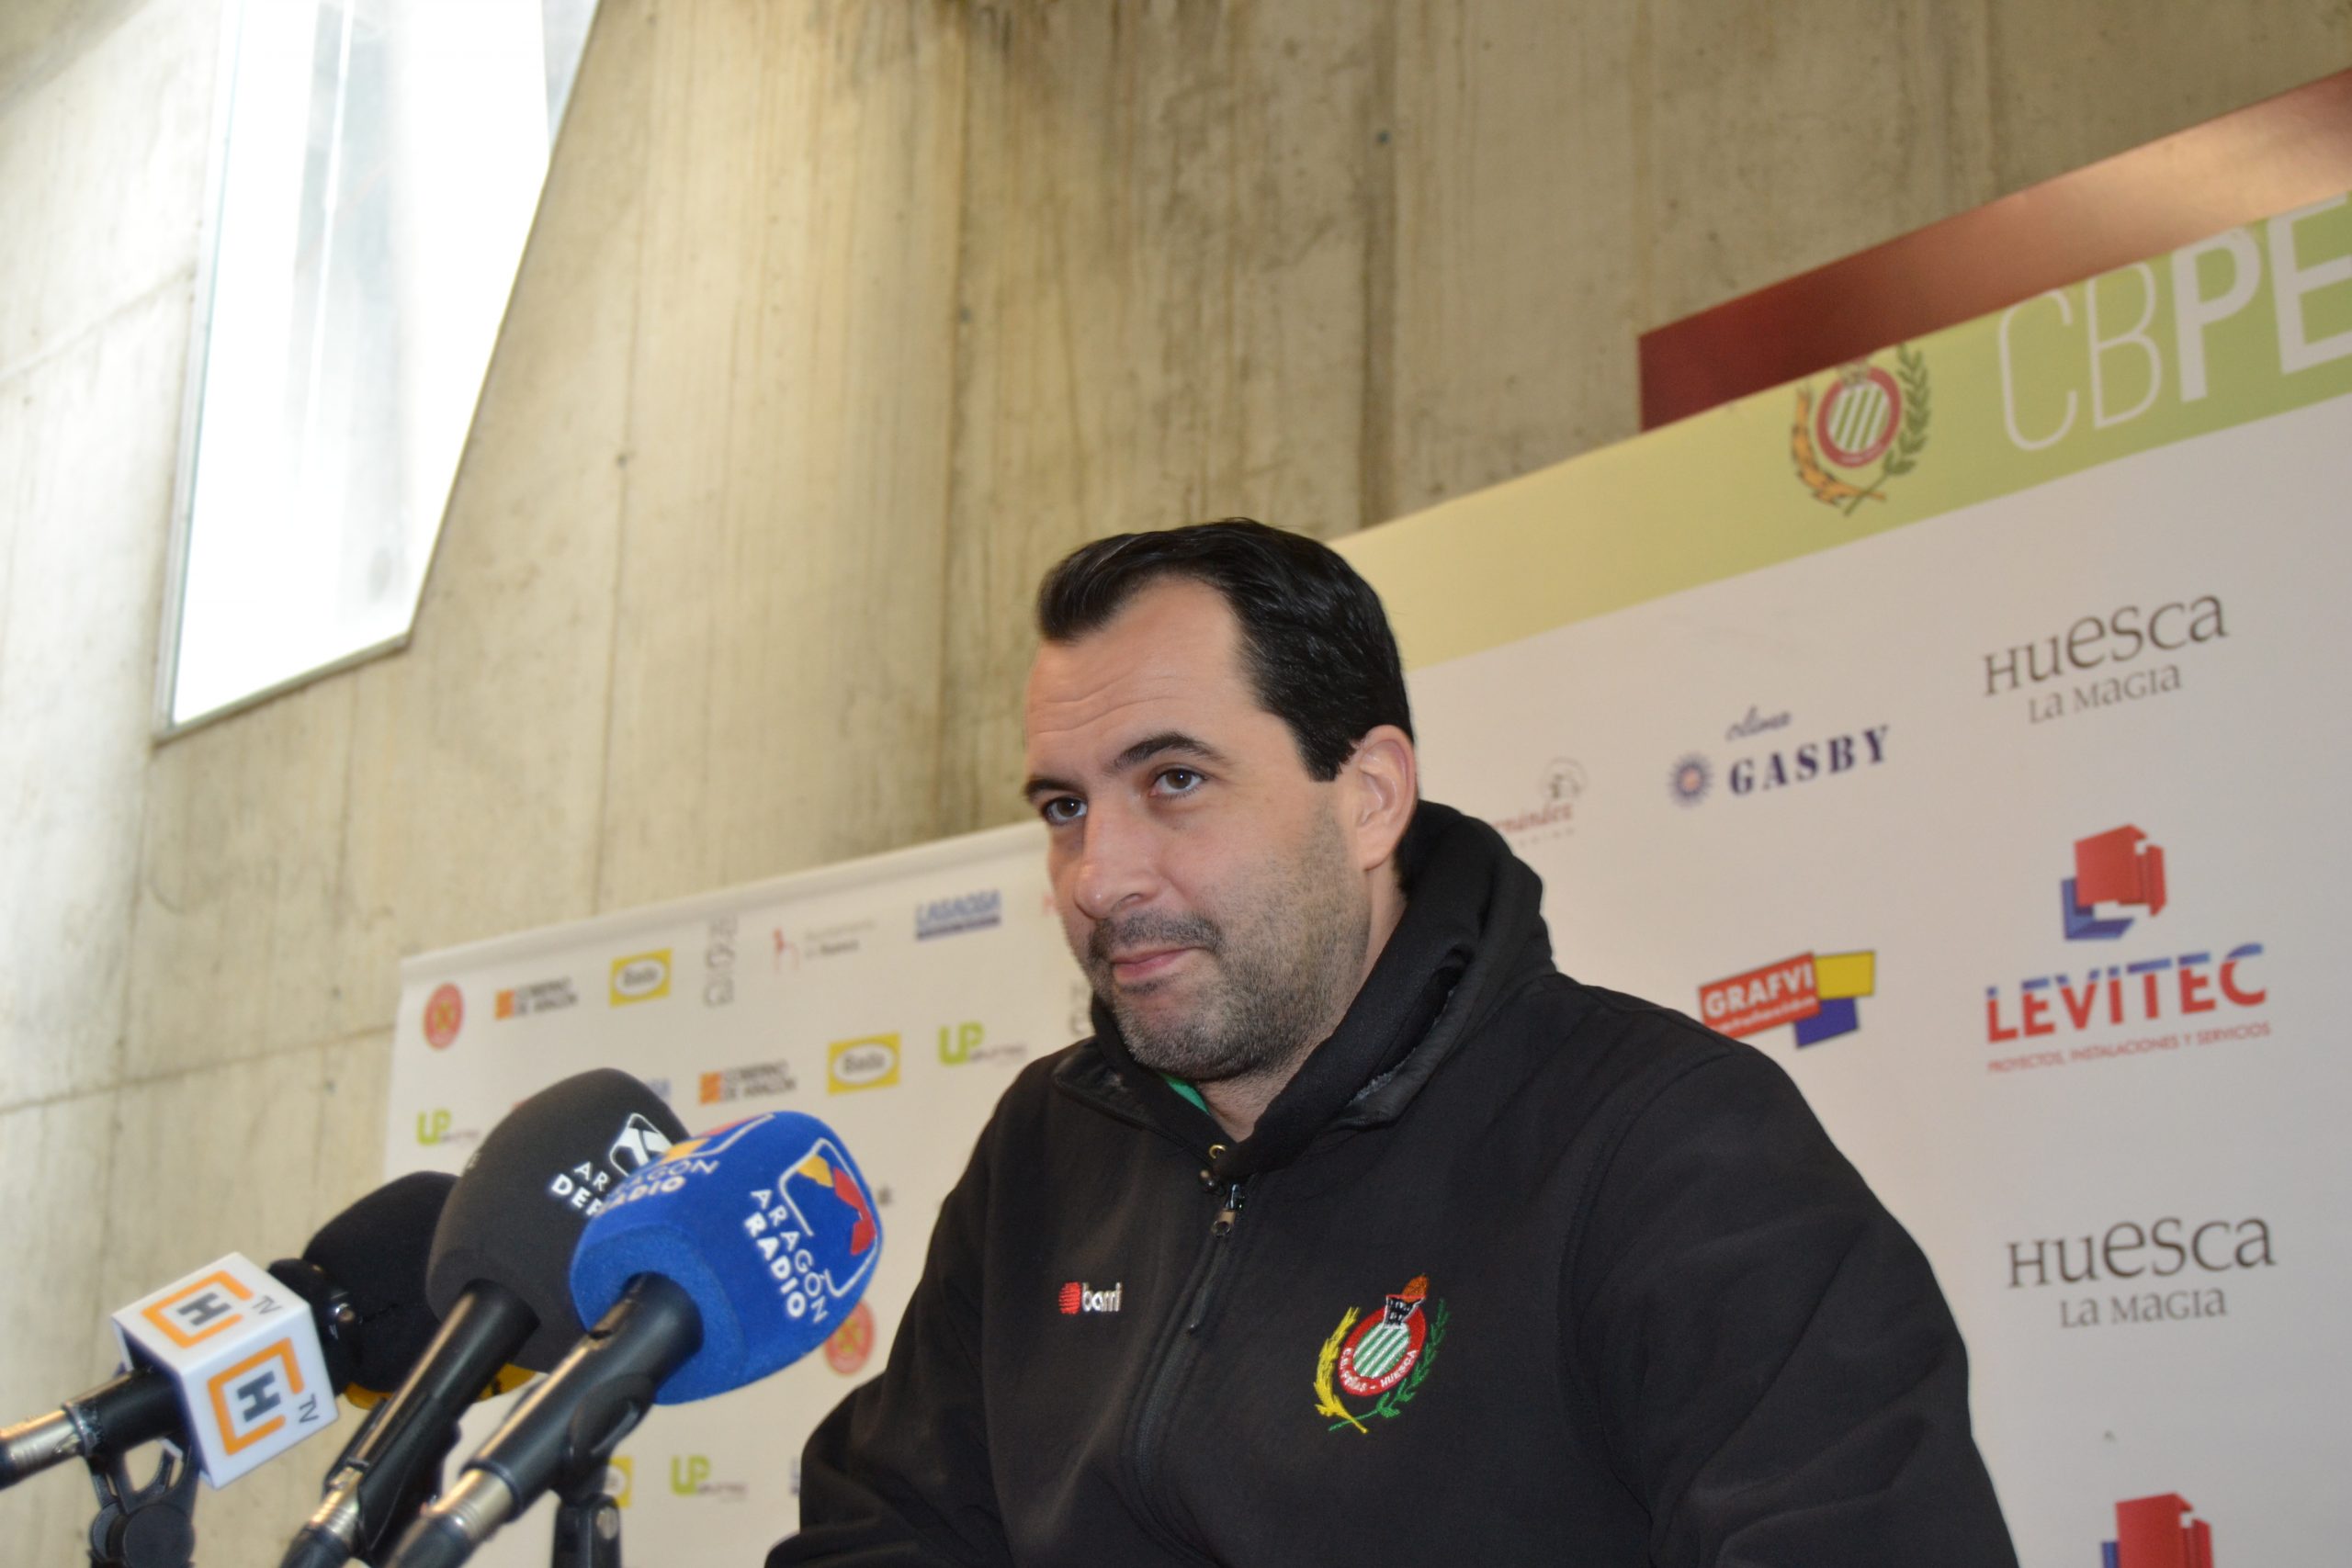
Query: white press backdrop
{"x": 2123, "y": 1149}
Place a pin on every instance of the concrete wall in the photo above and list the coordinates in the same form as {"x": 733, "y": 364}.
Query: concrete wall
{"x": 842, "y": 320}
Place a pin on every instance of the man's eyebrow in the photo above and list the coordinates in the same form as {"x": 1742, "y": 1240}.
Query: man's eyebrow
{"x": 1142, "y": 750}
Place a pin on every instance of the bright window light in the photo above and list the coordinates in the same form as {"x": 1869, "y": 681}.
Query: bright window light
{"x": 379, "y": 164}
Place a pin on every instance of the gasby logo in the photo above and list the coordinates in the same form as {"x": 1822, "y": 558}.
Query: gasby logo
{"x": 2153, "y": 1532}
{"x": 2119, "y": 868}
{"x": 870, "y": 1061}
{"x": 640, "y": 977}
{"x": 1819, "y": 993}
{"x": 1867, "y": 428}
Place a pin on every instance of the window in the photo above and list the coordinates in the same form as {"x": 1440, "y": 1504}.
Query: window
{"x": 377, "y": 167}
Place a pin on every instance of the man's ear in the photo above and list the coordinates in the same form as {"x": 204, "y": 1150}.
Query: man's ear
{"x": 1380, "y": 786}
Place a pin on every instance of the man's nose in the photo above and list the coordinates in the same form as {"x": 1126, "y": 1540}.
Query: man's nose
{"x": 1117, "y": 866}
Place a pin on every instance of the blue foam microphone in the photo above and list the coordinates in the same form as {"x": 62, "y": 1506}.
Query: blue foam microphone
{"x": 732, "y": 1256}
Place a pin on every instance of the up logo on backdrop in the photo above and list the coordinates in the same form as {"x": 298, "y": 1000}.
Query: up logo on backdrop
{"x": 1867, "y": 428}
{"x": 870, "y": 1061}
{"x": 640, "y": 977}
{"x": 2154, "y": 1532}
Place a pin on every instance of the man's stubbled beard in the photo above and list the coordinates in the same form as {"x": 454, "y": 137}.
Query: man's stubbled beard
{"x": 1283, "y": 964}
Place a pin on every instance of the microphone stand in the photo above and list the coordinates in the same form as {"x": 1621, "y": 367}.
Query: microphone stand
{"x": 142, "y": 1526}
{"x": 587, "y": 1523}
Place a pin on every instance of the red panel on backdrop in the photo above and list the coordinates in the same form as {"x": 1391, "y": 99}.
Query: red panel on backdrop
{"x": 2277, "y": 155}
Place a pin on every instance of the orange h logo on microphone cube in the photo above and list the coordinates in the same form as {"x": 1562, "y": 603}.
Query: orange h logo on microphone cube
{"x": 245, "y": 1352}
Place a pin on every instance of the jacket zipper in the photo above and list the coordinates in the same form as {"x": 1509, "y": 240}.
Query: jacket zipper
{"x": 1177, "y": 1358}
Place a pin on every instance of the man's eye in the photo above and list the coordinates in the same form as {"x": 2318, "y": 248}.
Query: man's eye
{"x": 1179, "y": 780}
{"x": 1062, "y": 809}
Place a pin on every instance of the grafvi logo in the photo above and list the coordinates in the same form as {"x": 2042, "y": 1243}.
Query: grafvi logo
{"x": 752, "y": 1081}
{"x": 1553, "y": 813}
{"x": 1869, "y": 427}
{"x": 2091, "y": 655}
{"x": 870, "y": 1061}
{"x": 954, "y": 917}
{"x": 1819, "y": 993}
{"x": 2119, "y": 866}
{"x": 538, "y": 997}
{"x": 2161, "y": 1272}
{"x": 444, "y": 1015}
{"x": 640, "y": 977}
{"x": 2156, "y": 1532}
{"x": 2160, "y": 999}
{"x": 1781, "y": 766}
{"x": 1078, "y": 1296}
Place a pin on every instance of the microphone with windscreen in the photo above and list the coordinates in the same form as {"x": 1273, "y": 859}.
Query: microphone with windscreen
{"x": 737, "y": 1255}
{"x": 499, "y": 1279}
{"x": 362, "y": 1277}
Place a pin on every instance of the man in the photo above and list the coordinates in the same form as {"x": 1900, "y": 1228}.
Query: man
{"x": 1357, "y": 1232}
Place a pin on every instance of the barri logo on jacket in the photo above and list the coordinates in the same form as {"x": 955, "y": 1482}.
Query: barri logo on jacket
{"x": 1383, "y": 1357}
{"x": 1078, "y": 1296}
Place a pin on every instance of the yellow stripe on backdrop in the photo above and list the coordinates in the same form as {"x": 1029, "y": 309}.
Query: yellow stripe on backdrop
{"x": 2251, "y": 322}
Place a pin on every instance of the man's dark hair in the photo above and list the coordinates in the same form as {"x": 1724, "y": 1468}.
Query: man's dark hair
{"x": 1315, "y": 640}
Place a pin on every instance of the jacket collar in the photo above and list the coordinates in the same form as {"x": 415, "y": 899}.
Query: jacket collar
{"x": 1472, "y": 930}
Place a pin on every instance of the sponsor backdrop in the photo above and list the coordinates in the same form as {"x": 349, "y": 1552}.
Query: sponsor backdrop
{"x": 1965, "y": 729}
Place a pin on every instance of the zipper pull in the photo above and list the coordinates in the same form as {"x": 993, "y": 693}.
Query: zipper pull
{"x": 1232, "y": 1210}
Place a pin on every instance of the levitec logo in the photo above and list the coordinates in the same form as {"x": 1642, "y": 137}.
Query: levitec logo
{"x": 2119, "y": 866}
{"x": 538, "y": 997}
{"x": 870, "y": 1061}
{"x": 1554, "y": 814}
{"x": 640, "y": 977}
{"x": 2159, "y": 996}
{"x": 1820, "y": 993}
{"x": 1079, "y": 1296}
{"x": 1778, "y": 767}
{"x": 2104, "y": 643}
{"x": 954, "y": 917}
{"x": 445, "y": 1014}
{"x": 2150, "y": 1532}
{"x": 1868, "y": 428}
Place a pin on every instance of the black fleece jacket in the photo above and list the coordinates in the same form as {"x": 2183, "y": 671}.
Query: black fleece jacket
{"x": 1514, "y": 1271}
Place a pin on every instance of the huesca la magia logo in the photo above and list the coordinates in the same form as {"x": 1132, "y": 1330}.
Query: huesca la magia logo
{"x": 1383, "y": 1357}
{"x": 1869, "y": 427}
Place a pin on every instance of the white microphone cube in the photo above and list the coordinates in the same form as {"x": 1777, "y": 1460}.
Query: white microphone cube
{"x": 244, "y": 1351}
